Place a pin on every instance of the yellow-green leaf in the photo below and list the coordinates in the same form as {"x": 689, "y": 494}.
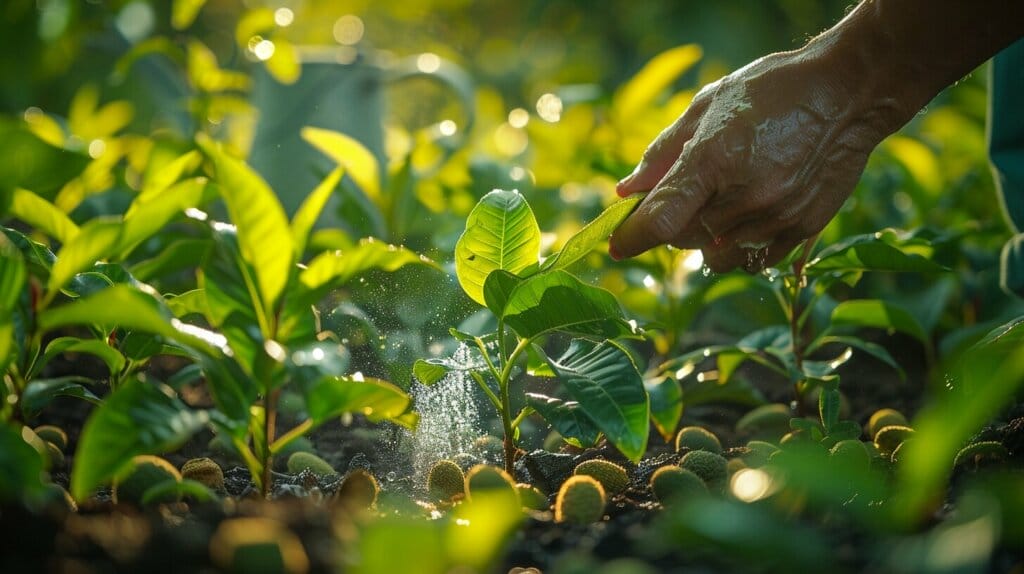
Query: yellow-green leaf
{"x": 42, "y": 215}
{"x": 284, "y": 63}
{"x": 358, "y": 161}
{"x": 184, "y": 12}
{"x": 97, "y": 240}
{"x": 307, "y": 214}
{"x": 264, "y": 237}
{"x": 653, "y": 79}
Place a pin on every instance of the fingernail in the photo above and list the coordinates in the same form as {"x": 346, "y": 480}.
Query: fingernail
{"x": 614, "y": 253}
{"x": 624, "y": 182}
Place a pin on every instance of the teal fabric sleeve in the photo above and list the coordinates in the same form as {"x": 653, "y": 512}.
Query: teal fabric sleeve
{"x": 1006, "y": 130}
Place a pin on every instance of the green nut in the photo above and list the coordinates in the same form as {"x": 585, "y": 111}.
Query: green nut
{"x": 888, "y": 438}
{"x": 973, "y": 455}
{"x": 531, "y": 497}
{"x": 580, "y": 500}
{"x": 611, "y": 476}
{"x": 301, "y": 444}
{"x": 698, "y": 438}
{"x": 301, "y": 461}
{"x": 671, "y": 482}
{"x": 205, "y": 472}
{"x": 710, "y": 467}
{"x": 766, "y": 421}
{"x": 256, "y": 544}
{"x": 484, "y": 478}
{"x": 445, "y": 481}
{"x": 851, "y": 450}
{"x": 146, "y": 472}
{"x": 53, "y": 434}
{"x": 358, "y": 490}
{"x": 885, "y": 418}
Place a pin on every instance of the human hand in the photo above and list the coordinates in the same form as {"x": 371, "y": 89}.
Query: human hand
{"x": 760, "y": 161}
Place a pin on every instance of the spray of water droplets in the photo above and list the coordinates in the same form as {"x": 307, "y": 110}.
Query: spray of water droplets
{"x": 449, "y": 419}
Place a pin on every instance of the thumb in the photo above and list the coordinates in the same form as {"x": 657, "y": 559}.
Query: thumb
{"x": 660, "y": 217}
{"x": 659, "y": 157}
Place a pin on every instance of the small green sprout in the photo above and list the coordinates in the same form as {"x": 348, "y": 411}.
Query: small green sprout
{"x": 671, "y": 482}
{"x": 204, "y": 471}
{"x": 301, "y": 461}
{"x": 758, "y": 453}
{"x": 698, "y": 438}
{"x": 611, "y": 476}
{"x": 766, "y": 421}
{"x": 531, "y": 497}
{"x": 888, "y": 438}
{"x": 710, "y": 467}
{"x": 973, "y": 455}
{"x": 581, "y": 500}
{"x": 883, "y": 418}
{"x": 445, "y": 481}
{"x": 358, "y": 490}
{"x": 852, "y": 450}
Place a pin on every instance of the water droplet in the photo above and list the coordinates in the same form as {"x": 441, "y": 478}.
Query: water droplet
{"x": 391, "y": 476}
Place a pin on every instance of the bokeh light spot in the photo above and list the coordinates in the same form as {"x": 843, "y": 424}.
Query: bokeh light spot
{"x": 348, "y": 30}
{"x": 751, "y": 484}
{"x": 284, "y": 17}
{"x": 135, "y": 21}
{"x": 518, "y": 118}
{"x": 447, "y": 128}
{"x": 428, "y": 63}
{"x": 549, "y": 108}
{"x": 264, "y": 50}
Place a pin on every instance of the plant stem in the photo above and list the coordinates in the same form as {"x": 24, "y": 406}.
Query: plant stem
{"x": 506, "y": 404}
{"x": 269, "y": 424}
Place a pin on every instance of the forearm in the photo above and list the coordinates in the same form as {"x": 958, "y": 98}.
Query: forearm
{"x": 904, "y": 52}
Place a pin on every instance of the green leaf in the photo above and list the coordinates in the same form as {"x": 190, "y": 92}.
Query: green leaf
{"x": 359, "y": 162}
{"x": 875, "y": 350}
{"x": 375, "y": 399}
{"x": 330, "y": 270}
{"x": 143, "y": 221}
{"x": 604, "y": 381}
{"x": 176, "y": 489}
{"x": 121, "y": 306}
{"x": 95, "y": 347}
{"x": 501, "y": 233}
{"x": 158, "y": 180}
{"x": 828, "y": 406}
{"x": 264, "y": 237}
{"x": 21, "y": 466}
{"x": 97, "y": 239}
{"x": 184, "y": 12}
{"x": 593, "y": 234}
{"x": 666, "y": 396}
{"x": 188, "y": 303}
{"x": 566, "y": 417}
{"x": 869, "y": 253}
{"x": 42, "y": 215}
{"x": 12, "y": 276}
{"x": 181, "y": 254}
{"x": 38, "y": 257}
{"x": 819, "y": 369}
{"x": 878, "y": 314}
{"x": 498, "y": 288}
{"x": 557, "y": 301}
{"x": 307, "y": 214}
{"x": 657, "y": 75}
{"x": 41, "y": 392}
{"x": 429, "y": 371}
{"x": 31, "y": 163}
{"x": 139, "y": 418}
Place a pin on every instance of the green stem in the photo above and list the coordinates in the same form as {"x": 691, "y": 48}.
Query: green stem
{"x": 487, "y": 390}
{"x": 506, "y": 404}
{"x": 296, "y": 432}
{"x": 527, "y": 411}
{"x": 269, "y": 423}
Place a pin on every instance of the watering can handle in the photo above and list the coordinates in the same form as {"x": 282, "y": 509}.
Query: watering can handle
{"x": 451, "y": 76}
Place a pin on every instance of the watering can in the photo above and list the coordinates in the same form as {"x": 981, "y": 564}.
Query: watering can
{"x": 338, "y": 92}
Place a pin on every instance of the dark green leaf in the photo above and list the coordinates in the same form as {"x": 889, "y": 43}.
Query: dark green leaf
{"x": 41, "y": 392}
{"x": 38, "y": 257}
{"x": 594, "y": 233}
{"x": 21, "y": 466}
{"x": 32, "y": 163}
{"x": 557, "y": 301}
{"x": 566, "y": 417}
{"x": 501, "y": 233}
{"x": 180, "y": 254}
{"x": 139, "y": 418}
{"x": 878, "y": 314}
{"x": 100, "y": 349}
{"x": 875, "y": 350}
{"x": 828, "y": 406}
{"x": 604, "y": 381}
{"x": 170, "y": 489}
{"x": 1011, "y": 266}
{"x": 869, "y": 253}
{"x": 666, "y": 397}
{"x": 97, "y": 240}
{"x": 498, "y": 288}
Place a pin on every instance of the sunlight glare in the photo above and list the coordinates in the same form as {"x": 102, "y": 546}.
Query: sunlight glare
{"x": 348, "y": 30}
{"x": 428, "y": 63}
{"x": 549, "y": 108}
{"x": 751, "y": 484}
{"x": 284, "y": 17}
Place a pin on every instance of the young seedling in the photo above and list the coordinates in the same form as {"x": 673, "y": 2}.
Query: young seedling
{"x": 498, "y": 264}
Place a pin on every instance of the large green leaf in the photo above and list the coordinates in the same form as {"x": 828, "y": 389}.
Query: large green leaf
{"x": 375, "y": 399}
{"x": 566, "y": 417}
{"x": 878, "y": 314}
{"x": 139, "y": 418}
{"x": 157, "y": 180}
{"x": 98, "y": 239}
{"x": 666, "y": 396}
{"x": 557, "y": 301}
{"x": 642, "y": 90}
{"x": 12, "y": 283}
{"x": 144, "y": 220}
{"x": 602, "y": 378}
{"x": 594, "y": 233}
{"x": 359, "y": 162}
{"x": 32, "y": 163}
{"x": 95, "y": 347}
{"x": 264, "y": 236}
{"x": 38, "y": 257}
{"x": 178, "y": 255}
{"x": 330, "y": 270}
{"x": 498, "y": 288}
{"x": 42, "y": 215}
{"x": 305, "y": 218}
{"x": 41, "y": 392}
{"x": 501, "y": 233}
{"x": 873, "y": 252}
